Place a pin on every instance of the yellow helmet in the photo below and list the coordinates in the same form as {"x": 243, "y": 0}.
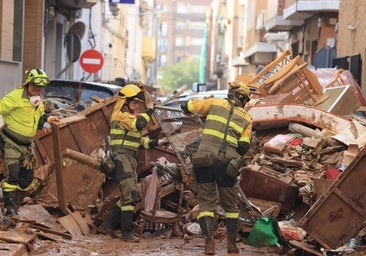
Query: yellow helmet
{"x": 237, "y": 88}
{"x": 37, "y": 77}
{"x": 132, "y": 91}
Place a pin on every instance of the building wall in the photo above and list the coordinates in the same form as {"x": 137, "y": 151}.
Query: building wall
{"x": 253, "y": 34}
{"x": 352, "y": 32}
{"x": 10, "y": 69}
{"x": 33, "y": 35}
{"x": 288, "y": 3}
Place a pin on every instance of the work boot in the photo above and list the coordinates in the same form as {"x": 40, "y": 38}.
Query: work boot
{"x": 231, "y": 231}
{"x": 20, "y": 197}
{"x": 126, "y": 227}
{"x": 115, "y": 221}
{"x": 11, "y": 204}
{"x": 207, "y": 228}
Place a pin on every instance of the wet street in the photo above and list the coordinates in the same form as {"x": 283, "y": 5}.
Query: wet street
{"x": 99, "y": 244}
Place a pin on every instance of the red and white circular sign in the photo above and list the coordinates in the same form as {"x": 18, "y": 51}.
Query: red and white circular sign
{"x": 91, "y": 61}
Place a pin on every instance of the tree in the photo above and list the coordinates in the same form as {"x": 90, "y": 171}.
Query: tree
{"x": 183, "y": 73}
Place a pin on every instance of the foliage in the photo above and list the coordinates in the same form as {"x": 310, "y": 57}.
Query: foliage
{"x": 181, "y": 74}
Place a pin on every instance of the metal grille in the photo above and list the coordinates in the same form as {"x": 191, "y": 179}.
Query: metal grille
{"x": 183, "y": 132}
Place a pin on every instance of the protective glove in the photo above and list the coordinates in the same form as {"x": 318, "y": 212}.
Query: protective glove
{"x": 150, "y": 108}
{"x": 52, "y": 119}
{"x": 163, "y": 141}
{"x": 151, "y": 105}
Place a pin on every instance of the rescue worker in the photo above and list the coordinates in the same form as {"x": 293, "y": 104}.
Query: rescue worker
{"x": 225, "y": 139}
{"x": 23, "y": 114}
{"x": 126, "y": 138}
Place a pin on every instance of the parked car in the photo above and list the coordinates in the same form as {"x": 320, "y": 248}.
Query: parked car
{"x": 176, "y": 99}
{"x": 69, "y": 96}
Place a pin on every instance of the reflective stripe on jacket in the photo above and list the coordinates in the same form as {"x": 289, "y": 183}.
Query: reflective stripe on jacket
{"x": 19, "y": 116}
{"x": 125, "y": 135}
{"x": 217, "y": 112}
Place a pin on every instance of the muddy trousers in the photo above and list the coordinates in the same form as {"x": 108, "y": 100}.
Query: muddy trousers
{"x": 207, "y": 227}
{"x": 127, "y": 226}
{"x": 14, "y": 187}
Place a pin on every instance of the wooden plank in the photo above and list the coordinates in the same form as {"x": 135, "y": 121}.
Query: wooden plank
{"x": 305, "y": 247}
{"x": 81, "y": 222}
{"x": 10, "y": 249}
{"x": 14, "y": 237}
{"x": 36, "y": 214}
{"x": 72, "y": 227}
{"x": 58, "y": 166}
{"x": 47, "y": 230}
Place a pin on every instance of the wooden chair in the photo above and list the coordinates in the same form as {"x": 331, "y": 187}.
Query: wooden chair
{"x": 152, "y": 215}
{"x": 288, "y": 76}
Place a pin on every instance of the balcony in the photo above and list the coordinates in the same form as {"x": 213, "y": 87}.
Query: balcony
{"x": 77, "y": 4}
{"x": 148, "y": 48}
{"x": 277, "y": 23}
{"x": 303, "y": 9}
{"x": 260, "y": 53}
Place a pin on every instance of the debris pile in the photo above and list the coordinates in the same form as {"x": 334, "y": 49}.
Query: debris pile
{"x": 303, "y": 170}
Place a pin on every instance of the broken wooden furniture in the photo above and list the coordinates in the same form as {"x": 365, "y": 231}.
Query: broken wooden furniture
{"x": 267, "y": 184}
{"x": 288, "y": 76}
{"x": 256, "y": 82}
{"x": 340, "y": 213}
{"x": 152, "y": 216}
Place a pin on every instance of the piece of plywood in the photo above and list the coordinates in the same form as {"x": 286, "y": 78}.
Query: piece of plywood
{"x": 71, "y": 226}
{"x": 14, "y": 237}
{"x": 83, "y": 225}
{"x": 342, "y": 100}
{"x": 40, "y": 215}
{"x": 339, "y": 214}
{"x": 11, "y": 249}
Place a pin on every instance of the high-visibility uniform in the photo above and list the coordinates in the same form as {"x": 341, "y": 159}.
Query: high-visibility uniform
{"x": 224, "y": 140}
{"x": 126, "y": 139}
{"x": 21, "y": 121}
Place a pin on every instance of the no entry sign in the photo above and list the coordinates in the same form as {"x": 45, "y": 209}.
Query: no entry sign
{"x": 91, "y": 61}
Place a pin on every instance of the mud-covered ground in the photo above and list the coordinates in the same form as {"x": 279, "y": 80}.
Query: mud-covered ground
{"x": 100, "y": 244}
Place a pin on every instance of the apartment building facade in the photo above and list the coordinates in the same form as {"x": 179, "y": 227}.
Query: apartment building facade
{"x": 52, "y": 35}
{"x": 180, "y": 33}
{"x": 261, "y": 29}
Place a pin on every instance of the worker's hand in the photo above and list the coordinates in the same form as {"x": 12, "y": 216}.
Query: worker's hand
{"x": 52, "y": 119}
{"x": 151, "y": 105}
{"x": 163, "y": 141}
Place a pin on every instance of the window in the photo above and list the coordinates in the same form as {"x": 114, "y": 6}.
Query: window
{"x": 198, "y": 9}
{"x": 163, "y": 29}
{"x": 163, "y": 45}
{"x": 162, "y": 60}
{"x": 11, "y": 30}
{"x": 182, "y": 8}
{"x": 179, "y": 41}
{"x": 181, "y": 25}
{"x": 197, "y": 25}
{"x": 197, "y": 41}
{"x": 161, "y": 8}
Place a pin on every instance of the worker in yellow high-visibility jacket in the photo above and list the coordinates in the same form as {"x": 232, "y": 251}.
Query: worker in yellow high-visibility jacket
{"x": 127, "y": 123}
{"x": 225, "y": 139}
{"x": 23, "y": 114}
